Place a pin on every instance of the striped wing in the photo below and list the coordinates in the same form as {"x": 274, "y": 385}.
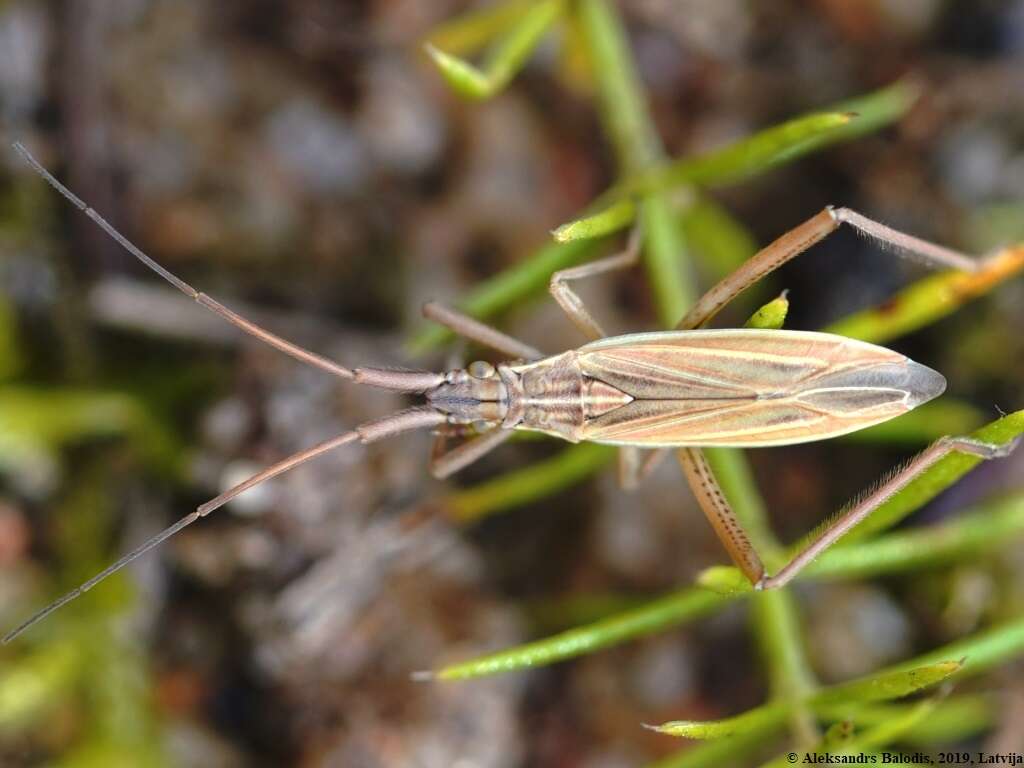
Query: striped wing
{"x": 749, "y": 387}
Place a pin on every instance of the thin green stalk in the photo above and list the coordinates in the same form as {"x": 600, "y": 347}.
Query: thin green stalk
{"x": 637, "y": 147}
{"x": 721, "y": 241}
{"x": 776, "y": 626}
{"x": 987, "y": 529}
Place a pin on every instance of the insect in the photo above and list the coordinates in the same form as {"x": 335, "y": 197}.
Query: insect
{"x": 681, "y": 389}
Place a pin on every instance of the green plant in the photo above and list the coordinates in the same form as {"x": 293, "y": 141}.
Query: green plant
{"x": 680, "y": 221}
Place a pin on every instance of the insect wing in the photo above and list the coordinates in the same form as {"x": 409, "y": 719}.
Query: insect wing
{"x": 748, "y": 387}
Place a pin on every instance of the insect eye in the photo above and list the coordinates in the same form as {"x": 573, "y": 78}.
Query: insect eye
{"x": 481, "y": 370}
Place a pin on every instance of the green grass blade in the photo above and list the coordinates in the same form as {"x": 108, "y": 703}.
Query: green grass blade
{"x": 777, "y": 627}
{"x": 987, "y": 529}
{"x": 930, "y": 299}
{"x": 508, "y": 57}
{"x": 781, "y": 143}
{"x": 683, "y": 606}
{"x": 974, "y": 532}
{"x": 775, "y": 145}
{"x": 980, "y": 652}
{"x": 611, "y": 219}
{"x": 537, "y": 481}
{"x": 761, "y": 152}
{"x": 664, "y": 251}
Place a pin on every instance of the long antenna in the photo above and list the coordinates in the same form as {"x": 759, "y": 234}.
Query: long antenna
{"x": 214, "y": 306}
{"x": 396, "y": 423}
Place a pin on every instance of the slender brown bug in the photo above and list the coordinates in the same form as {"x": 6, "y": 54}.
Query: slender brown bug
{"x": 682, "y": 389}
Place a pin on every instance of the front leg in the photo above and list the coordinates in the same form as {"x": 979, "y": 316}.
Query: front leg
{"x": 444, "y": 463}
{"x": 570, "y": 301}
{"x": 472, "y": 329}
{"x": 633, "y": 466}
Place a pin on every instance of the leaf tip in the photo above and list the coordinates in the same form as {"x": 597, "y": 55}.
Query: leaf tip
{"x": 464, "y": 78}
{"x": 564, "y": 233}
{"x": 423, "y": 676}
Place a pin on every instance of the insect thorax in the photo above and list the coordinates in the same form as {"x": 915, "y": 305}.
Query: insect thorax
{"x": 553, "y": 396}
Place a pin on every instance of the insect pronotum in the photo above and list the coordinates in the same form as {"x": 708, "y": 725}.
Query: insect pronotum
{"x": 681, "y": 389}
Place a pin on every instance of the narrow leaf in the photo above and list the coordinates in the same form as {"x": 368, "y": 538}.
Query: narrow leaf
{"x": 611, "y": 219}
{"x": 886, "y": 685}
{"x": 881, "y": 687}
{"x": 753, "y": 720}
{"x": 930, "y": 299}
{"x": 760, "y": 152}
{"x": 686, "y": 605}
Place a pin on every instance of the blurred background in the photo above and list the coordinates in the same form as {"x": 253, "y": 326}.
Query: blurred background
{"x": 304, "y": 162}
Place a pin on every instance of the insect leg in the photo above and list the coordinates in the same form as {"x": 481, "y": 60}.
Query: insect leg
{"x": 396, "y": 423}
{"x": 635, "y": 465}
{"x": 443, "y": 465}
{"x": 473, "y": 329}
{"x": 864, "y": 506}
{"x": 718, "y": 512}
{"x": 570, "y": 301}
{"x": 802, "y": 237}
